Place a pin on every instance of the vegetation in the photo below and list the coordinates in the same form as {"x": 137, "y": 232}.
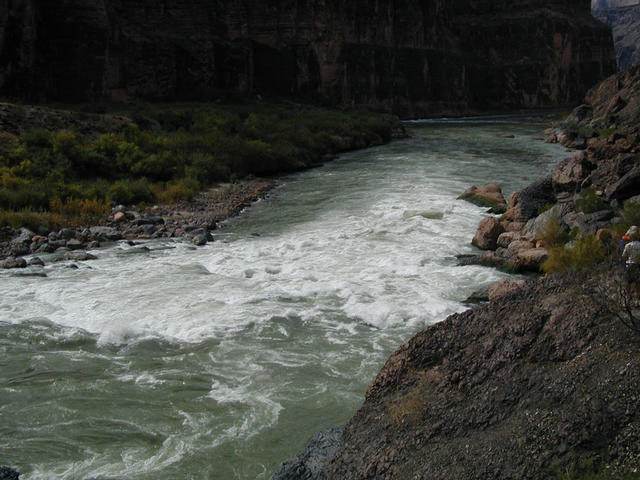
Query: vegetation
{"x": 165, "y": 154}
{"x": 590, "y": 202}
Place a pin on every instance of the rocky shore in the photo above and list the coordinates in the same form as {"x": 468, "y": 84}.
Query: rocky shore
{"x": 194, "y": 221}
{"x": 541, "y": 379}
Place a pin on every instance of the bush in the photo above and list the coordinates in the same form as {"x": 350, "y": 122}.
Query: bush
{"x": 582, "y": 253}
{"x": 589, "y": 202}
{"x": 184, "y": 189}
{"x": 130, "y": 192}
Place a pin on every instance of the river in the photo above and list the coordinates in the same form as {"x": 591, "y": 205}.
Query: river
{"x": 220, "y": 362}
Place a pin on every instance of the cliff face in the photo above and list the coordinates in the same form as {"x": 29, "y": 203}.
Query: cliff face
{"x": 624, "y": 18}
{"x": 412, "y": 56}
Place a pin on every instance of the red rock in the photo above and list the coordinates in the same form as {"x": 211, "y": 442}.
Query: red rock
{"x": 487, "y": 235}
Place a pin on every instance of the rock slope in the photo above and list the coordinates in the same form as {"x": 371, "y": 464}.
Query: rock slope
{"x": 502, "y": 391}
{"x": 413, "y": 57}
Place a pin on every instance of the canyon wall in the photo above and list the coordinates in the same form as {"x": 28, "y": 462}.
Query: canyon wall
{"x": 411, "y": 56}
{"x": 624, "y": 18}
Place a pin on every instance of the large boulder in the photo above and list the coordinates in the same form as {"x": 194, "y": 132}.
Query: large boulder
{"x": 7, "y": 473}
{"x": 486, "y": 237}
{"x": 626, "y": 187}
{"x": 570, "y": 173}
{"x": 527, "y": 203}
{"x": 489, "y": 195}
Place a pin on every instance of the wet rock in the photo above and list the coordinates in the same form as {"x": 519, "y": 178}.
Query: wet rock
{"x": 489, "y": 195}
{"x": 105, "y": 233}
{"x": 11, "y": 263}
{"x": 45, "y": 248}
{"x": 93, "y": 244}
{"x": 7, "y": 473}
{"x": 488, "y": 232}
{"x": 36, "y": 261}
{"x": 19, "y": 250}
{"x": 74, "y": 244}
{"x": 199, "y": 239}
{"x": 79, "y": 256}
{"x": 479, "y": 296}
{"x": 308, "y": 464}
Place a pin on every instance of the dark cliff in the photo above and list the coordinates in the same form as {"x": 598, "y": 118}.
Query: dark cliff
{"x": 414, "y": 57}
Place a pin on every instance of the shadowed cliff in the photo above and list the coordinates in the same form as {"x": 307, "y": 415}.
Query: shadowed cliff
{"x": 413, "y": 57}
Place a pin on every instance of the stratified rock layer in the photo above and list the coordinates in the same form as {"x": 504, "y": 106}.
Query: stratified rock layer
{"x": 503, "y": 391}
{"x": 414, "y": 57}
{"x": 624, "y": 19}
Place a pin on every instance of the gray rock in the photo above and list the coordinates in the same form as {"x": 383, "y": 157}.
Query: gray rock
{"x": 308, "y": 464}
{"x": 79, "y": 256}
{"x": 590, "y": 223}
{"x": 19, "y": 250}
{"x": 93, "y": 244}
{"x": 67, "y": 233}
{"x": 45, "y": 248}
{"x": 149, "y": 219}
{"x": 74, "y": 244}
{"x": 528, "y": 201}
{"x": 12, "y": 262}
{"x": 24, "y": 237}
{"x": 200, "y": 239}
{"x": 37, "y": 261}
{"x": 626, "y": 187}
{"x": 7, "y": 473}
{"x": 105, "y": 234}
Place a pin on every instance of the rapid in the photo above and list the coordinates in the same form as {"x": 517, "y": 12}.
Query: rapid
{"x": 164, "y": 361}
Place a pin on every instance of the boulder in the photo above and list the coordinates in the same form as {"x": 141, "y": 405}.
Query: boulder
{"x": 569, "y": 174}
{"x": 308, "y": 464}
{"x": 489, "y": 195}
{"x": 626, "y": 187}
{"x": 74, "y": 244}
{"x": 11, "y": 263}
{"x": 79, "y": 256}
{"x": 487, "y": 234}
{"x": 119, "y": 217}
{"x": 105, "y": 233}
{"x": 7, "y": 473}
{"x": 24, "y": 237}
{"x": 504, "y": 287}
{"x": 67, "y": 233}
{"x": 36, "y": 261}
{"x": 590, "y": 223}
{"x": 526, "y": 204}
{"x": 532, "y": 258}
{"x": 507, "y": 237}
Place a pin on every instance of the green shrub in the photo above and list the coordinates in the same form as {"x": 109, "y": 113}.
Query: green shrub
{"x": 583, "y": 252}
{"x": 589, "y": 202}
{"x": 585, "y": 470}
{"x": 130, "y": 192}
{"x": 553, "y": 235}
{"x": 183, "y": 189}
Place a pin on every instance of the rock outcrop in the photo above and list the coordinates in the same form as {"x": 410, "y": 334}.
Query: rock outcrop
{"x": 503, "y": 391}
{"x": 624, "y": 18}
{"x": 411, "y": 57}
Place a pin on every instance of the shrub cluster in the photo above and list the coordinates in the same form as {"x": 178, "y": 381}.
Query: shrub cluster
{"x": 169, "y": 153}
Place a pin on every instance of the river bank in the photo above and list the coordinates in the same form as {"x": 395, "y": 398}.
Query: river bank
{"x": 541, "y": 382}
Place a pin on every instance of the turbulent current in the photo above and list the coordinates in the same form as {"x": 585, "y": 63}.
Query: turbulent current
{"x": 219, "y": 362}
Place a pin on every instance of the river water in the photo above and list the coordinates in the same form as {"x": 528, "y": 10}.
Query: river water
{"x": 220, "y": 362}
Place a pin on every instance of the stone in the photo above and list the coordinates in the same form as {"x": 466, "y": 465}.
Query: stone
{"x": 7, "y": 473}
{"x": 520, "y": 244}
{"x": 79, "y": 256}
{"x": 531, "y": 259}
{"x": 67, "y": 234}
{"x": 626, "y": 187}
{"x": 568, "y": 174}
{"x": 119, "y": 217}
{"x": 74, "y": 244}
{"x": 37, "y": 261}
{"x": 12, "y": 262}
{"x": 527, "y": 203}
{"x": 489, "y": 195}
{"x": 199, "y": 239}
{"x": 308, "y": 464}
{"x": 24, "y": 237}
{"x": 487, "y": 234}
{"x": 105, "y": 233}
{"x": 505, "y": 238}
{"x": 504, "y": 287}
